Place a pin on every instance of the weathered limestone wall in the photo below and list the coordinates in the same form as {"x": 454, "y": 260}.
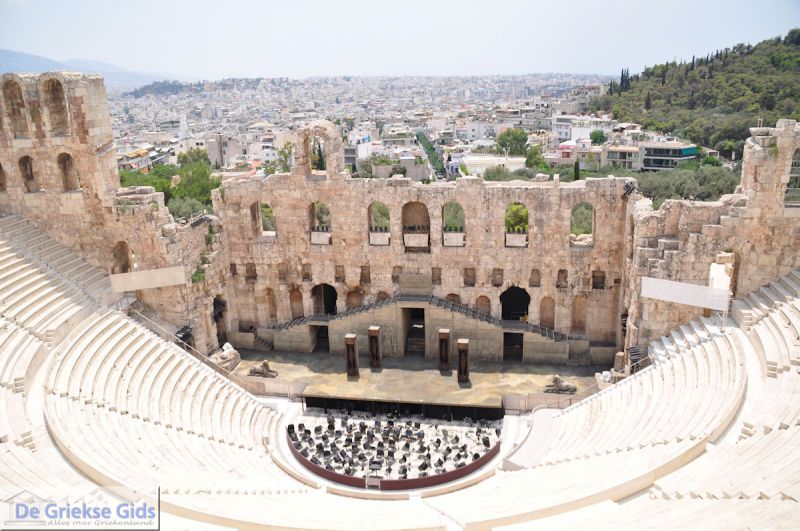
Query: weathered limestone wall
{"x": 289, "y": 260}
{"x": 64, "y": 116}
{"x": 682, "y": 239}
{"x": 265, "y": 278}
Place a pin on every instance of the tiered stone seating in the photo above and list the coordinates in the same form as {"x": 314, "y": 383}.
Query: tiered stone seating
{"x": 673, "y": 514}
{"x": 611, "y": 444}
{"x": 58, "y": 260}
{"x": 749, "y": 479}
{"x": 690, "y": 392}
{"x": 168, "y": 412}
{"x": 707, "y": 436}
{"x": 19, "y": 348}
{"x": 28, "y": 460}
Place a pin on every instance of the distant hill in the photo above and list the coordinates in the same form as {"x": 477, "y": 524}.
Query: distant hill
{"x": 115, "y": 76}
{"x": 714, "y": 99}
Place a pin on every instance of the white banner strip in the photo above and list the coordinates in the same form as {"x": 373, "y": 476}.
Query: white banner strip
{"x": 684, "y": 293}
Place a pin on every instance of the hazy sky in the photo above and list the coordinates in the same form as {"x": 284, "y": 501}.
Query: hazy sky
{"x": 297, "y": 38}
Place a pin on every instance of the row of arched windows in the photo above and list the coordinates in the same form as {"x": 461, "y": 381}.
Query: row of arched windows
{"x": 70, "y": 179}
{"x": 416, "y": 223}
{"x": 55, "y": 102}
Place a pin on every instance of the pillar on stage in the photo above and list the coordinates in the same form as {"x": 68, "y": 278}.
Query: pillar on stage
{"x": 352, "y": 354}
{"x": 463, "y": 361}
{"x": 444, "y": 349}
{"x": 375, "y": 356}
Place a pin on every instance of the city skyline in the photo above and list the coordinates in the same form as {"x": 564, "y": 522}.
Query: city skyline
{"x": 307, "y": 39}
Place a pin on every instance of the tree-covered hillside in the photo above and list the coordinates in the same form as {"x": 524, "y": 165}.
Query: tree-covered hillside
{"x": 712, "y": 100}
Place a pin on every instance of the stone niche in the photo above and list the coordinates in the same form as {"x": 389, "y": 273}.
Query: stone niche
{"x": 379, "y": 238}
{"x": 453, "y": 239}
{"x": 516, "y": 240}
{"x": 320, "y": 238}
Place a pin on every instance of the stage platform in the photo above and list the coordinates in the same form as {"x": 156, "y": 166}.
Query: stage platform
{"x": 413, "y": 380}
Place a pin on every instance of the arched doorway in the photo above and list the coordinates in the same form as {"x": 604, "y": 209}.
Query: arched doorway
{"x": 122, "y": 258}
{"x": 483, "y": 304}
{"x": 547, "y": 313}
{"x": 324, "y": 298}
{"x": 454, "y": 297}
{"x": 578, "y": 315}
{"x": 354, "y": 299}
{"x": 515, "y": 302}
{"x": 296, "y": 303}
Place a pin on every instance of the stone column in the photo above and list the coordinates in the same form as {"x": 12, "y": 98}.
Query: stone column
{"x": 375, "y": 357}
{"x": 463, "y": 361}
{"x": 351, "y": 348}
{"x": 444, "y": 349}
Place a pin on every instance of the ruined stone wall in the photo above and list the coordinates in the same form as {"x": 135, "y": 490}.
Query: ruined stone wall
{"x": 61, "y": 124}
{"x": 289, "y": 260}
{"x": 69, "y": 186}
{"x": 682, "y": 239}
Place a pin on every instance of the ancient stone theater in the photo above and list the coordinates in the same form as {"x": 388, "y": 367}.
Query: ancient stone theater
{"x": 384, "y": 341}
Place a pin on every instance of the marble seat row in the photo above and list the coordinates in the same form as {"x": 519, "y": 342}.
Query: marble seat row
{"x": 687, "y": 513}
{"x": 144, "y": 454}
{"x": 115, "y": 363}
{"x": 57, "y": 259}
{"x": 28, "y": 460}
{"x": 18, "y": 349}
{"x": 33, "y": 299}
{"x": 750, "y": 477}
{"x": 690, "y": 392}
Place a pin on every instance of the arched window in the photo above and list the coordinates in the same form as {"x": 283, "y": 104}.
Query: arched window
{"x": 121, "y": 255}
{"x": 515, "y": 303}
{"x": 296, "y": 303}
{"x": 69, "y": 175}
{"x": 453, "y": 217}
{"x": 2, "y": 179}
{"x": 378, "y": 217}
{"x": 516, "y": 225}
{"x": 453, "y": 221}
{"x": 578, "y": 315}
{"x": 28, "y": 178}
{"x": 15, "y": 109}
{"x": 319, "y": 221}
{"x": 381, "y": 296}
{"x": 483, "y": 304}
{"x": 547, "y": 312}
{"x": 324, "y": 298}
{"x": 535, "y": 279}
{"x": 581, "y": 226}
{"x": 416, "y": 227}
{"x": 354, "y": 299}
{"x": 56, "y": 104}
{"x": 792, "y": 196}
{"x": 262, "y": 219}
